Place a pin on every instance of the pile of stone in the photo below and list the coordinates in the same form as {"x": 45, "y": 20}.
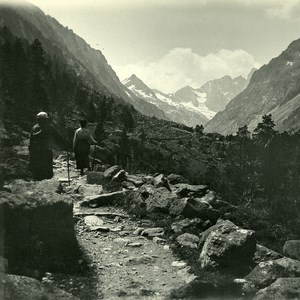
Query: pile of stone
{"x": 222, "y": 246}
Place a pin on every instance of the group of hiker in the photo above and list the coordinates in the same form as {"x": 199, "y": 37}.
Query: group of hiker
{"x": 43, "y": 137}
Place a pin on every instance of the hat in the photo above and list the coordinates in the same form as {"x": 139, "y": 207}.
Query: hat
{"x": 42, "y": 115}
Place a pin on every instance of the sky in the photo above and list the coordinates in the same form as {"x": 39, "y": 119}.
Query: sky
{"x": 173, "y": 43}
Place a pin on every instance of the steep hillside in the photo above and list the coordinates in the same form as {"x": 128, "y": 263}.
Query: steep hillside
{"x": 29, "y": 22}
{"x": 271, "y": 90}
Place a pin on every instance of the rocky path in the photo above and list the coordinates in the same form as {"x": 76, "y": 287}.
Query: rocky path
{"x": 125, "y": 263}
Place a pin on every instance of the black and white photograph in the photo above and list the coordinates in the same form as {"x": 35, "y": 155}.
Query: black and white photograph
{"x": 149, "y": 149}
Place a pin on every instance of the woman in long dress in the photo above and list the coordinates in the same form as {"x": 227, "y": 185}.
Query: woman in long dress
{"x": 81, "y": 144}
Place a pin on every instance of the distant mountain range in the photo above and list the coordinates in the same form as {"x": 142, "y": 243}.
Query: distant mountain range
{"x": 29, "y": 22}
{"x": 273, "y": 89}
{"x": 188, "y": 105}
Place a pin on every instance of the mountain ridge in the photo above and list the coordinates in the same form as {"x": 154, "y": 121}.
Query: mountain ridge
{"x": 189, "y": 106}
{"x": 30, "y": 22}
{"x": 270, "y": 88}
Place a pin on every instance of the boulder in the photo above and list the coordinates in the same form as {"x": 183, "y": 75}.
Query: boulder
{"x": 146, "y": 190}
{"x": 93, "y": 222}
{"x": 161, "y": 181}
{"x": 210, "y": 197}
{"x": 193, "y": 208}
{"x": 89, "y": 190}
{"x": 135, "y": 203}
{"x": 160, "y": 200}
{"x": 105, "y": 199}
{"x": 282, "y": 288}
{"x": 94, "y": 177}
{"x": 264, "y": 254}
{"x": 39, "y": 231}
{"x": 120, "y": 176}
{"x": 136, "y": 180}
{"x": 152, "y": 232}
{"x": 20, "y": 186}
{"x": 291, "y": 249}
{"x": 25, "y": 288}
{"x": 148, "y": 179}
{"x": 265, "y": 273}
{"x": 228, "y": 247}
{"x": 128, "y": 185}
{"x": 111, "y": 172}
{"x": 185, "y": 224}
{"x": 184, "y": 190}
{"x": 175, "y": 179}
{"x": 188, "y": 240}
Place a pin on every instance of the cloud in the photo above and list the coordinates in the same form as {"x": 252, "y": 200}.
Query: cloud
{"x": 181, "y": 67}
{"x": 283, "y": 9}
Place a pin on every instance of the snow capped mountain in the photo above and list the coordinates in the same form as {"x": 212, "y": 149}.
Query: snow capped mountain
{"x": 190, "y": 106}
{"x": 181, "y": 112}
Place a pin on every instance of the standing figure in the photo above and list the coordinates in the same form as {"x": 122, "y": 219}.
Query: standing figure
{"x": 81, "y": 144}
{"x": 42, "y": 138}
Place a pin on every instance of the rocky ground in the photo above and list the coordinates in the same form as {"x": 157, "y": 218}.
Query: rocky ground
{"x": 139, "y": 236}
{"x": 121, "y": 261}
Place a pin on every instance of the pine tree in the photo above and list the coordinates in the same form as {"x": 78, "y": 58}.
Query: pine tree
{"x": 264, "y": 131}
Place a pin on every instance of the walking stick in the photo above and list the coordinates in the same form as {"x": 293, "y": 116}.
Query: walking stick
{"x": 68, "y": 166}
{"x": 93, "y": 158}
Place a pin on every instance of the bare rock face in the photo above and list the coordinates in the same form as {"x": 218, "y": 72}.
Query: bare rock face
{"x": 38, "y": 228}
{"x": 266, "y": 273}
{"x": 25, "y": 288}
{"x": 228, "y": 247}
{"x": 292, "y": 249}
{"x": 282, "y": 288}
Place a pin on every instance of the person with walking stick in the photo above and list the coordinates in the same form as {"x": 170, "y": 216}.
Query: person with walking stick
{"x": 81, "y": 145}
{"x": 43, "y": 137}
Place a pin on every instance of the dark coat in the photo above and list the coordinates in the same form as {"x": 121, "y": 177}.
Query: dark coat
{"x": 42, "y": 139}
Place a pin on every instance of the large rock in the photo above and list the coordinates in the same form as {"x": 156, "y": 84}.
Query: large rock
{"x": 228, "y": 247}
{"x": 39, "y": 231}
{"x": 187, "y": 190}
{"x": 282, "y": 288}
{"x": 291, "y": 249}
{"x": 111, "y": 172}
{"x": 105, "y": 199}
{"x": 14, "y": 287}
{"x": 188, "y": 240}
{"x": 185, "y": 224}
{"x": 89, "y": 190}
{"x": 94, "y": 177}
{"x": 193, "y": 208}
{"x": 264, "y": 254}
{"x": 160, "y": 200}
{"x": 161, "y": 181}
{"x": 20, "y": 186}
{"x": 175, "y": 179}
{"x": 210, "y": 197}
{"x": 136, "y": 180}
{"x": 266, "y": 273}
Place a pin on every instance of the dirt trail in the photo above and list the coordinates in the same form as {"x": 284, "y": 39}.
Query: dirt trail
{"x": 124, "y": 264}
